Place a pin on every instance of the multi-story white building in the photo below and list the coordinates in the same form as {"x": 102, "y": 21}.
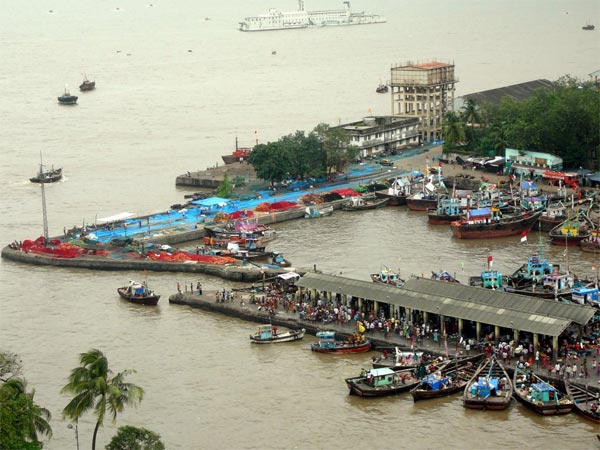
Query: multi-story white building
{"x": 378, "y": 134}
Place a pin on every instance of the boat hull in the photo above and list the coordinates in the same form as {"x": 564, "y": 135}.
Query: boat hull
{"x": 288, "y": 336}
{"x": 420, "y": 204}
{"x": 342, "y": 347}
{"x": 393, "y": 200}
{"x": 149, "y": 300}
{"x": 47, "y": 177}
{"x": 582, "y": 398}
{"x": 493, "y": 230}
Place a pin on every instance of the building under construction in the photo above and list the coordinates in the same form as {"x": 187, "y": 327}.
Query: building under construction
{"x": 426, "y": 91}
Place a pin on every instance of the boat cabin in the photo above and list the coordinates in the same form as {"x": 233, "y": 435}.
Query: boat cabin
{"x": 266, "y": 331}
{"x": 491, "y": 279}
{"x": 380, "y": 377}
{"x": 558, "y": 282}
{"x": 483, "y": 215}
{"x": 543, "y": 392}
{"x": 326, "y": 339}
{"x": 586, "y": 296}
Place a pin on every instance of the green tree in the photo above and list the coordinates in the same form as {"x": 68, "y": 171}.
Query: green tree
{"x": 454, "y": 132}
{"x": 270, "y": 161}
{"x": 336, "y": 144}
{"x": 10, "y": 365}
{"x": 132, "y": 438}
{"x": 470, "y": 112}
{"x": 95, "y": 387}
{"x": 21, "y": 419}
{"x": 225, "y": 188}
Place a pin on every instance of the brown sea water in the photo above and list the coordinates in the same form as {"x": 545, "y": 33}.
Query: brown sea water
{"x": 160, "y": 110}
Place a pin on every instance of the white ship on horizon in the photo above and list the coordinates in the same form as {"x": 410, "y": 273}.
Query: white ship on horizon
{"x": 277, "y": 20}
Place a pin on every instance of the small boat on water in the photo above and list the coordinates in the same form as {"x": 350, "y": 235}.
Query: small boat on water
{"x": 138, "y": 293}
{"x": 387, "y": 276}
{"x": 238, "y": 155}
{"x": 316, "y": 211}
{"x": 87, "y": 85}
{"x": 382, "y": 382}
{"x": 448, "y": 379}
{"x": 47, "y": 176}
{"x": 588, "y": 27}
{"x": 382, "y": 89}
{"x": 396, "y": 193}
{"x": 67, "y": 98}
{"x": 573, "y": 230}
{"x": 269, "y": 334}
{"x": 362, "y": 203}
{"x": 585, "y": 400}
{"x": 488, "y": 223}
{"x": 356, "y": 343}
{"x": 538, "y": 394}
{"x": 490, "y": 387}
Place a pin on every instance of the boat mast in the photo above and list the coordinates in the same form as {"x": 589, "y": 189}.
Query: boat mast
{"x": 44, "y": 214}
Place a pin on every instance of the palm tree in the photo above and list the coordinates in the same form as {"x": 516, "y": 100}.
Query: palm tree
{"x": 453, "y": 130}
{"x": 95, "y": 387}
{"x": 470, "y": 112}
{"x": 36, "y": 418}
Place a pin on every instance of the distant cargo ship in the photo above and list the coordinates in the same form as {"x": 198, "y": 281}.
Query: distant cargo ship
{"x": 277, "y": 20}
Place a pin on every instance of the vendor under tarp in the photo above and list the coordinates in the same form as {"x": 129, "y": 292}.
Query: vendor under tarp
{"x": 115, "y": 218}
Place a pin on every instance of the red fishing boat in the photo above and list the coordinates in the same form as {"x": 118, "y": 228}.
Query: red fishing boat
{"x": 238, "y": 155}
{"x": 327, "y": 343}
{"x": 492, "y": 223}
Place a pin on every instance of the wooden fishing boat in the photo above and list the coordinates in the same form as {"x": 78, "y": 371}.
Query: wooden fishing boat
{"x": 396, "y": 193}
{"x": 316, "y": 211}
{"x": 586, "y": 401}
{"x": 47, "y": 176}
{"x": 138, "y": 293}
{"x": 490, "y": 387}
{"x": 492, "y": 223}
{"x": 362, "y": 203}
{"x": 539, "y": 395}
{"x": 87, "y": 85}
{"x": 387, "y": 276}
{"x": 408, "y": 359}
{"x": 67, "y": 98}
{"x": 327, "y": 343}
{"x": 572, "y": 231}
{"x": 447, "y": 380}
{"x": 447, "y": 210}
{"x": 382, "y": 382}
{"x": 422, "y": 201}
{"x": 238, "y": 155}
{"x": 269, "y": 334}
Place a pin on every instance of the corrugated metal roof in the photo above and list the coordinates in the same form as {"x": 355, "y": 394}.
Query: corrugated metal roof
{"x": 521, "y": 91}
{"x": 520, "y": 312}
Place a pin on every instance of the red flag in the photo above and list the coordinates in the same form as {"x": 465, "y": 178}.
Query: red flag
{"x": 524, "y": 236}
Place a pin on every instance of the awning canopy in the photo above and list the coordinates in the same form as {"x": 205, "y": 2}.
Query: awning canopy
{"x": 115, "y": 218}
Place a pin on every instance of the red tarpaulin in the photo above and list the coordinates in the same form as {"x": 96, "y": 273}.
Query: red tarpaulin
{"x": 241, "y": 214}
{"x": 347, "y": 192}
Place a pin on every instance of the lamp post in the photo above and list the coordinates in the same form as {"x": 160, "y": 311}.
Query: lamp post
{"x": 70, "y": 426}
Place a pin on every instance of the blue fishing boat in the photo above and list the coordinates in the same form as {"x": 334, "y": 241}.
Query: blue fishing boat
{"x": 490, "y": 387}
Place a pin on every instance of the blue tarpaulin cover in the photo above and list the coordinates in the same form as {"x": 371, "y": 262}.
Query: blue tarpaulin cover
{"x": 211, "y": 201}
{"x": 481, "y": 212}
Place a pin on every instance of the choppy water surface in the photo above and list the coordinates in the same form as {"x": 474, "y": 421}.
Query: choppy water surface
{"x": 160, "y": 110}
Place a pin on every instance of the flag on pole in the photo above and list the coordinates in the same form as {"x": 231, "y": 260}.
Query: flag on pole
{"x": 490, "y": 261}
{"x": 524, "y": 236}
